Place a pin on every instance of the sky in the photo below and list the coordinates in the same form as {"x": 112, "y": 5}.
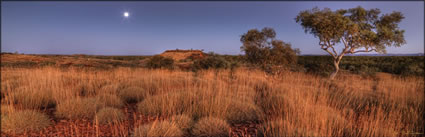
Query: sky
{"x": 100, "y": 27}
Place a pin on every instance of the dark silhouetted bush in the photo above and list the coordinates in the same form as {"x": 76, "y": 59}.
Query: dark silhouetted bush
{"x": 160, "y": 62}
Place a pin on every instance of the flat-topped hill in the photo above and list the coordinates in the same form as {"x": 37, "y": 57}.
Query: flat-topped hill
{"x": 179, "y": 54}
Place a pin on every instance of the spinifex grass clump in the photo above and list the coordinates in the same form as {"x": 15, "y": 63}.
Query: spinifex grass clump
{"x": 158, "y": 129}
{"x": 184, "y": 122}
{"x": 109, "y": 100}
{"x": 31, "y": 99}
{"x": 6, "y": 109}
{"x": 282, "y": 128}
{"x": 167, "y": 104}
{"x": 110, "y": 115}
{"x": 211, "y": 127}
{"x": 77, "y": 108}
{"x": 23, "y": 121}
{"x": 133, "y": 94}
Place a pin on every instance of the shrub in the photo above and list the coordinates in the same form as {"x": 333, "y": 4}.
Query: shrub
{"x": 184, "y": 122}
{"x": 211, "y": 62}
{"x": 133, "y": 94}
{"x": 77, "y": 108}
{"x": 211, "y": 127}
{"x": 23, "y": 121}
{"x": 158, "y": 129}
{"x": 160, "y": 62}
{"x": 109, "y": 115}
{"x": 109, "y": 100}
{"x": 261, "y": 48}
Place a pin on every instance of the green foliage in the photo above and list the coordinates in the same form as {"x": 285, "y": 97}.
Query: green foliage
{"x": 110, "y": 115}
{"x": 356, "y": 28}
{"x": 23, "y": 121}
{"x": 212, "y": 61}
{"x": 261, "y": 48}
{"x": 401, "y": 65}
{"x": 160, "y": 62}
{"x": 211, "y": 127}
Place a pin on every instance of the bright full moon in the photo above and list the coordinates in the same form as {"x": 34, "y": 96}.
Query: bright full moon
{"x": 126, "y": 14}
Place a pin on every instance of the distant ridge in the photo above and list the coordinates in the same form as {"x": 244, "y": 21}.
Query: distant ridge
{"x": 390, "y": 54}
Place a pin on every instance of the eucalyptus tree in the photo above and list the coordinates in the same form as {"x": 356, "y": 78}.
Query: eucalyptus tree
{"x": 358, "y": 29}
{"x": 262, "y": 48}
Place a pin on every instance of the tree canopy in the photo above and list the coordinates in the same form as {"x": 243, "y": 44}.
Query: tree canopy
{"x": 359, "y": 30}
{"x": 262, "y": 47}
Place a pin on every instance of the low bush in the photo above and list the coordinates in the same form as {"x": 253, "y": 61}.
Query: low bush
{"x": 158, "y": 129}
{"x": 212, "y": 61}
{"x": 160, "y": 62}
{"x": 77, "y": 108}
{"x": 211, "y": 127}
{"x": 109, "y": 100}
{"x": 23, "y": 121}
{"x": 110, "y": 115}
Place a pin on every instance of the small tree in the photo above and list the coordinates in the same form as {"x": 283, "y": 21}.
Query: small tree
{"x": 358, "y": 29}
{"x": 262, "y": 48}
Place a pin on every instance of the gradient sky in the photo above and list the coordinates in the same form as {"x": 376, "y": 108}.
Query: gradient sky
{"x": 99, "y": 28}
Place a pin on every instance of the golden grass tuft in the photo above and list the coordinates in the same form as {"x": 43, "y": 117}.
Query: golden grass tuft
{"x": 31, "y": 99}
{"x": 158, "y": 129}
{"x": 109, "y": 115}
{"x": 77, "y": 108}
{"x": 23, "y": 121}
{"x": 133, "y": 94}
{"x": 167, "y": 104}
{"x": 211, "y": 127}
{"x": 184, "y": 122}
{"x": 281, "y": 128}
{"x": 109, "y": 100}
{"x": 6, "y": 109}
{"x": 303, "y": 104}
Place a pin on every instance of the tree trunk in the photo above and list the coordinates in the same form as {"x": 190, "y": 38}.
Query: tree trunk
{"x": 336, "y": 65}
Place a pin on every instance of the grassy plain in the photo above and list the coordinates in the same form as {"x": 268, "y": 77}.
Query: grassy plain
{"x": 71, "y": 101}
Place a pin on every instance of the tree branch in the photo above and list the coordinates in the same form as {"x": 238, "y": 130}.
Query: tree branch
{"x": 367, "y": 50}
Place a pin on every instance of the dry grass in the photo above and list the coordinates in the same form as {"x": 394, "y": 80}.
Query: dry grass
{"x": 23, "y": 121}
{"x": 290, "y": 103}
{"x": 184, "y": 122}
{"x": 211, "y": 127}
{"x": 77, "y": 108}
{"x": 158, "y": 129}
{"x": 109, "y": 100}
{"x": 109, "y": 115}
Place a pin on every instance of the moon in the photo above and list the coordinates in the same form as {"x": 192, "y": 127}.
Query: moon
{"x": 126, "y": 14}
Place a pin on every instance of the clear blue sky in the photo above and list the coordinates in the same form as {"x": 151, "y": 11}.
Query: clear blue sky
{"x": 152, "y": 27}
